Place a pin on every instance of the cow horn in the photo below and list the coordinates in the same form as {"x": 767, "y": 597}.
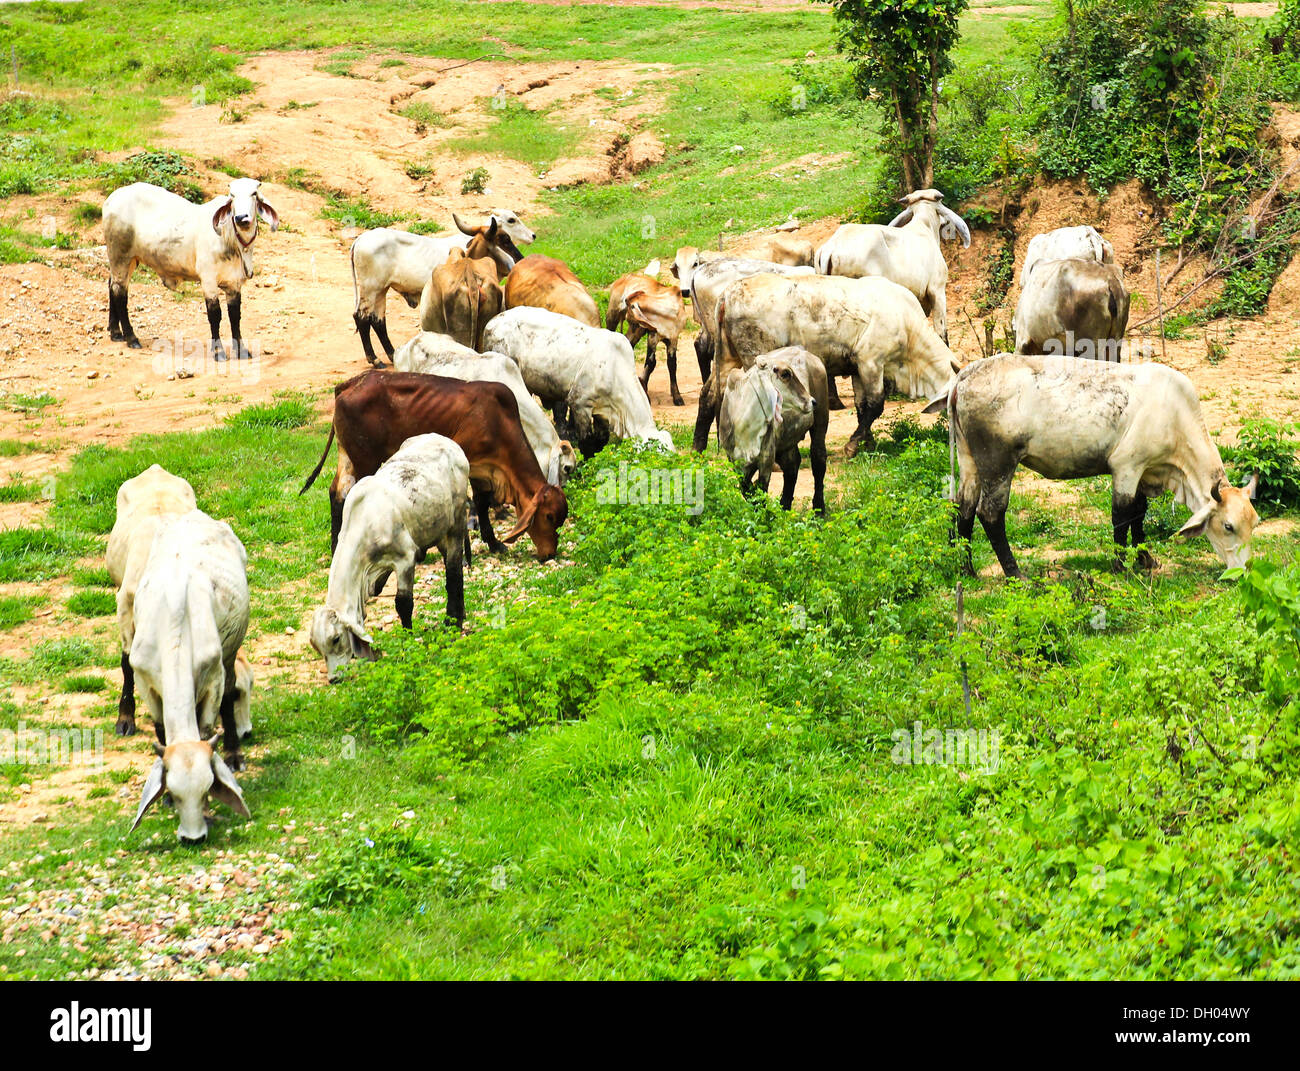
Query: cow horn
{"x": 462, "y": 226}
{"x": 902, "y": 217}
{"x": 948, "y": 214}
{"x": 1216, "y": 494}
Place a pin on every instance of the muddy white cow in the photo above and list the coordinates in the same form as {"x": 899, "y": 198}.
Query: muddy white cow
{"x": 1067, "y": 418}
{"x": 586, "y": 375}
{"x": 384, "y": 259}
{"x": 869, "y": 329}
{"x": 418, "y": 499}
{"x": 211, "y": 244}
{"x": 766, "y": 411}
{"x": 1073, "y": 300}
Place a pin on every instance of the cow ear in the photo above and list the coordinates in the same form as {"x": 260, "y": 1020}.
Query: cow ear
{"x": 525, "y": 518}
{"x": 221, "y": 214}
{"x": 268, "y": 215}
{"x": 154, "y": 787}
{"x": 225, "y": 788}
{"x": 492, "y": 229}
{"x": 1197, "y": 522}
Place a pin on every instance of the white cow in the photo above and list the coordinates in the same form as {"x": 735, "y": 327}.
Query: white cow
{"x": 907, "y": 251}
{"x": 384, "y": 259}
{"x": 587, "y": 371}
{"x": 191, "y": 610}
{"x": 1066, "y": 419}
{"x": 442, "y": 355}
{"x": 210, "y": 243}
{"x": 144, "y": 504}
{"x": 1066, "y": 243}
{"x": 870, "y": 329}
{"x": 419, "y": 498}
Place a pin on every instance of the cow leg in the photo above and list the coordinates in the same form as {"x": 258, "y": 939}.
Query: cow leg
{"x": 230, "y": 731}
{"x": 377, "y": 588}
{"x": 833, "y": 400}
{"x": 1137, "y": 533}
{"x": 789, "y": 462}
{"x": 708, "y": 409}
{"x": 232, "y": 314}
{"x": 114, "y": 326}
{"x": 964, "y": 529}
{"x": 704, "y": 355}
{"x": 869, "y": 407}
{"x": 126, "y": 704}
{"x": 214, "y": 322}
{"x": 1126, "y": 517}
{"x": 336, "y": 517}
{"x": 363, "y": 329}
{"x": 649, "y": 364}
{"x": 483, "y": 507}
{"x": 125, "y": 330}
{"x": 453, "y": 560}
{"x": 405, "y": 599}
{"x": 671, "y": 347}
{"x": 381, "y": 329}
{"x": 992, "y": 512}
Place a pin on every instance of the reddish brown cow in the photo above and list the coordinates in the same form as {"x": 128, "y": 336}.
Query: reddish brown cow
{"x": 547, "y": 283}
{"x": 377, "y": 411}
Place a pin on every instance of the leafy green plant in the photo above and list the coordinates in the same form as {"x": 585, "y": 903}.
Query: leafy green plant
{"x": 1268, "y": 448}
{"x": 476, "y": 181}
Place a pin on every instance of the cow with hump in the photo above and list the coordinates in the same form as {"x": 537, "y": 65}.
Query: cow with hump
{"x": 1067, "y": 418}
{"x": 377, "y": 411}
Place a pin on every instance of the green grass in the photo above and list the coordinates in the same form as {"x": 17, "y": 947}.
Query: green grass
{"x": 92, "y": 603}
{"x": 83, "y": 682}
{"x": 16, "y": 609}
{"x": 291, "y": 411}
{"x": 521, "y": 133}
{"x": 16, "y": 448}
{"x": 17, "y": 490}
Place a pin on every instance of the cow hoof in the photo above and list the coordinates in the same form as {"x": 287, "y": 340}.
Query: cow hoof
{"x": 1146, "y": 562}
{"x": 235, "y": 761}
{"x": 133, "y": 343}
{"x": 115, "y": 335}
{"x": 835, "y": 403}
{"x": 678, "y": 400}
{"x": 125, "y": 726}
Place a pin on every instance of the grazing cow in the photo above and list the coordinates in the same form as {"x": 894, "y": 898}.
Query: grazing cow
{"x": 587, "y": 375}
{"x": 418, "y": 499}
{"x": 210, "y": 243}
{"x": 708, "y": 280}
{"x": 907, "y": 251}
{"x": 191, "y": 608}
{"x": 766, "y": 411}
{"x": 461, "y": 296}
{"x": 1066, "y": 243}
{"x": 653, "y": 311}
{"x": 870, "y": 329}
{"x": 442, "y": 356}
{"x": 1066, "y": 419}
{"x": 1078, "y": 308}
{"x": 144, "y": 504}
{"x": 384, "y": 259}
{"x": 547, "y": 283}
{"x": 377, "y": 411}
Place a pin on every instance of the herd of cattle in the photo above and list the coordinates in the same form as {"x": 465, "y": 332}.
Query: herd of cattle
{"x": 513, "y": 375}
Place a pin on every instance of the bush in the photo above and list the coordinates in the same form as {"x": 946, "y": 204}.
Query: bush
{"x": 170, "y": 170}
{"x": 1268, "y": 447}
{"x": 476, "y": 181}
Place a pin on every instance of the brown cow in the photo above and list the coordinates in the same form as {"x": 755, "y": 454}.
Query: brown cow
{"x": 461, "y": 296}
{"x": 547, "y": 283}
{"x": 650, "y": 309}
{"x": 377, "y": 411}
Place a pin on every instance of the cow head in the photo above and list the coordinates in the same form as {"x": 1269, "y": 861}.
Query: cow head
{"x": 928, "y": 205}
{"x": 750, "y": 418}
{"x": 510, "y": 222}
{"x": 490, "y": 240}
{"x": 1228, "y": 521}
{"x": 339, "y": 640}
{"x": 190, "y": 771}
{"x": 242, "y": 208}
{"x": 541, "y": 519}
{"x": 683, "y": 267}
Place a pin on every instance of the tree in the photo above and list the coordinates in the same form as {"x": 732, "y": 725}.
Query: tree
{"x": 900, "y": 52}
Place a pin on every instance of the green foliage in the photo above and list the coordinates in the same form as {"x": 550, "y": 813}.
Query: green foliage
{"x": 164, "y": 168}
{"x": 1268, "y": 448}
{"x": 476, "y": 181}
{"x": 354, "y": 211}
{"x": 84, "y": 682}
{"x": 16, "y": 609}
{"x": 34, "y": 554}
{"x": 20, "y": 491}
{"x": 1266, "y": 252}
{"x": 1163, "y": 93}
{"x": 900, "y": 51}
{"x": 289, "y": 411}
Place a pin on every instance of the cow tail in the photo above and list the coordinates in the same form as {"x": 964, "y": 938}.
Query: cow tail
{"x": 476, "y": 311}
{"x": 320, "y": 464}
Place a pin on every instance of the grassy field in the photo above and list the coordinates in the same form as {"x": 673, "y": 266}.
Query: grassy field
{"x": 677, "y": 752}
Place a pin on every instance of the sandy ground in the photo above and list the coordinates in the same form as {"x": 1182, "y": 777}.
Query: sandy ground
{"x": 297, "y": 310}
